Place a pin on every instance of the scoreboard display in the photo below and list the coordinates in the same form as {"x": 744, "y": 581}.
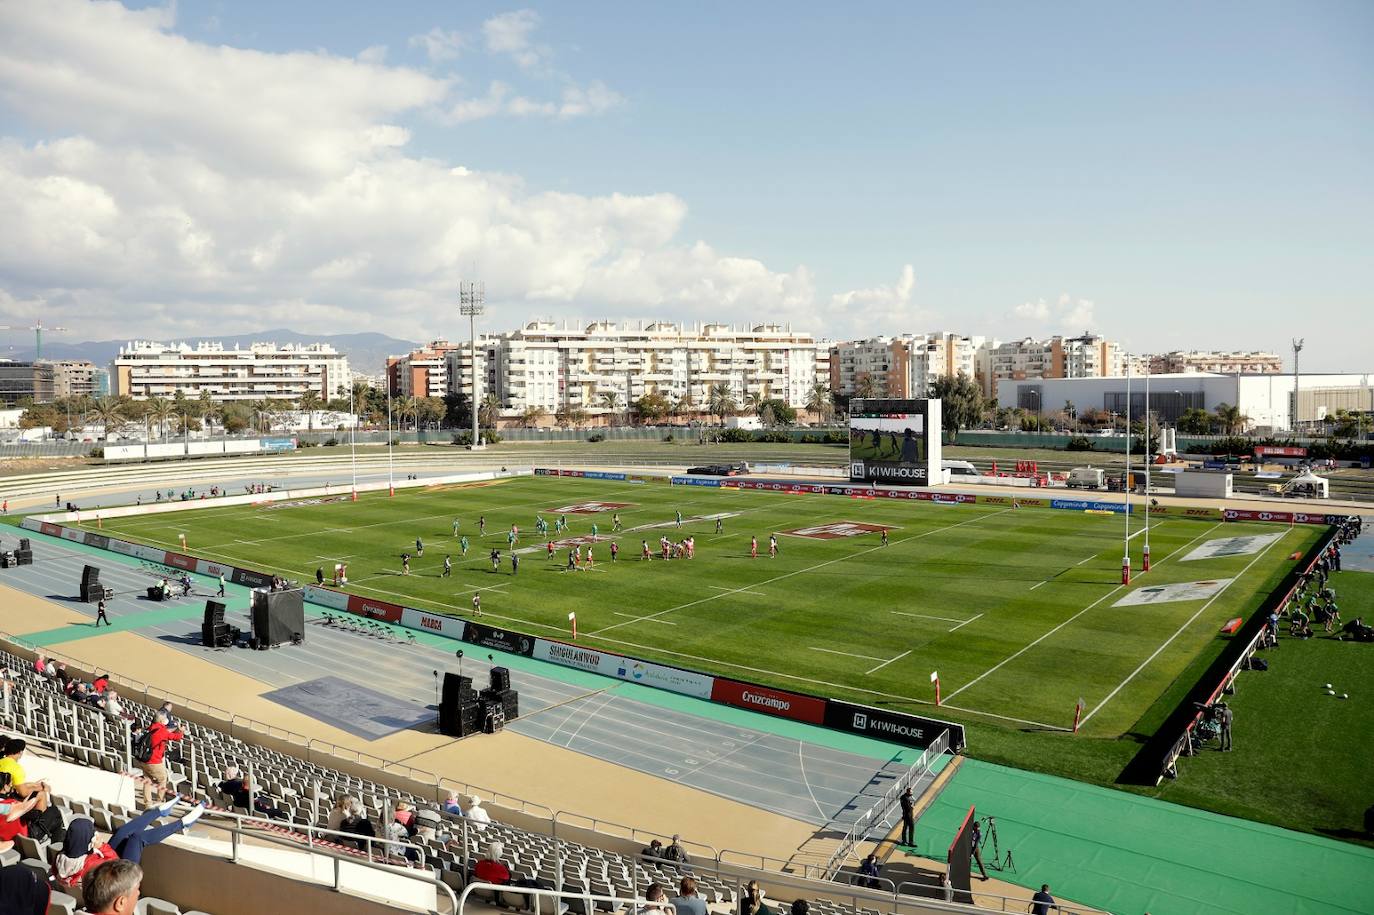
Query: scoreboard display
{"x": 894, "y": 441}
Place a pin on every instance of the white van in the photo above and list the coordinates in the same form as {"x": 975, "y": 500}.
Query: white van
{"x": 959, "y": 469}
{"x": 1086, "y": 478}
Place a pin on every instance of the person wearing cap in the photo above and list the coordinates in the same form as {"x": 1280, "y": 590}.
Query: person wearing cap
{"x": 477, "y": 813}
{"x": 655, "y": 849}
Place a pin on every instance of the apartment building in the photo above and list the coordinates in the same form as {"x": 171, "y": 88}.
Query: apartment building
{"x": 1222, "y": 363}
{"x": 264, "y": 371}
{"x": 602, "y": 367}
{"x": 73, "y": 378}
{"x": 1085, "y": 356}
{"x": 904, "y": 366}
{"x": 421, "y": 373}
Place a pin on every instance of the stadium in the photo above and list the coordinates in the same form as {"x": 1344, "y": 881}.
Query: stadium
{"x": 789, "y": 647}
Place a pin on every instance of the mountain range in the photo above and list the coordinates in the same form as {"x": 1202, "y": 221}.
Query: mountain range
{"x": 366, "y": 353}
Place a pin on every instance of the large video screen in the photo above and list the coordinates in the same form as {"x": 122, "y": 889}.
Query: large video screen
{"x": 894, "y": 441}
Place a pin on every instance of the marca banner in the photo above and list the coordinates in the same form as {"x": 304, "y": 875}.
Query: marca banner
{"x": 1230, "y": 546}
{"x": 326, "y": 597}
{"x": 250, "y": 578}
{"x": 1084, "y": 505}
{"x": 449, "y": 626}
{"x": 1178, "y": 591}
{"x": 99, "y": 541}
{"x": 895, "y": 727}
{"x": 213, "y": 569}
{"x": 500, "y": 639}
{"x": 374, "y": 609}
{"x": 609, "y": 664}
{"x": 695, "y": 481}
{"x": 769, "y": 701}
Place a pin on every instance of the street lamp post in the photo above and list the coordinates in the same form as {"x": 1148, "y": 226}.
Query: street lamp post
{"x": 1145, "y": 553}
{"x": 1126, "y": 543}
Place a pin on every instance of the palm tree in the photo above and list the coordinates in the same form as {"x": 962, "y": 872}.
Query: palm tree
{"x": 110, "y": 412}
{"x": 532, "y": 416}
{"x": 867, "y": 387}
{"x": 610, "y": 400}
{"x": 408, "y": 406}
{"x": 1232, "y": 420}
{"x": 160, "y": 411}
{"x": 820, "y": 402}
{"x": 210, "y": 412}
{"x": 721, "y": 401}
{"x": 489, "y": 411}
{"x": 754, "y": 402}
{"x": 310, "y": 402}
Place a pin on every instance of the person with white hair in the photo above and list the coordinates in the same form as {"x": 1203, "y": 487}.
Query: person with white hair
{"x": 477, "y": 813}
{"x": 355, "y": 821}
{"x": 491, "y": 869}
{"x": 339, "y": 812}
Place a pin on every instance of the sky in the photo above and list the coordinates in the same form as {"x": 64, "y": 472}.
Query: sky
{"x": 1171, "y": 175}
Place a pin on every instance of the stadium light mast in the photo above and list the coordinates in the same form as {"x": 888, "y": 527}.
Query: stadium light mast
{"x": 1126, "y": 555}
{"x": 1145, "y": 553}
{"x": 390, "y": 464}
{"x": 353, "y": 435}
{"x": 472, "y": 299}
{"x": 1297, "y": 377}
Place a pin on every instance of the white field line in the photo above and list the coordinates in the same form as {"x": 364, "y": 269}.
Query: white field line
{"x": 721, "y": 588}
{"x": 943, "y": 619}
{"x": 1177, "y": 633}
{"x": 966, "y": 622}
{"x": 812, "y": 568}
{"x": 847, "y": 654}
{"x": 633, "y": 617}
{"x": 889, "y": 661}
{"x": 801, "y": 761}
{"x": 1039, "y": 583}
{"x": 1089, "y": 559}
{"x": 1020, "y": 651}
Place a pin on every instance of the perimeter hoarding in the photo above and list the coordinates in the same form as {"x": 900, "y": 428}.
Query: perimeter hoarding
{"x": 895, "y": 441}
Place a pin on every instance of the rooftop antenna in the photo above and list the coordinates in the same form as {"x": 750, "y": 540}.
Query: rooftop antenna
{"x": 1297, "y": 348}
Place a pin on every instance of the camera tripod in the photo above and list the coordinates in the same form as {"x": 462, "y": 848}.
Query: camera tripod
{"x": 999, "y": 861}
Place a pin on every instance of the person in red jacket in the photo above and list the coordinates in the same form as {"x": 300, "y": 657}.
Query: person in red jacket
{"x": 154, "y": 770}
{"x": 491, "y": 869}
{"x": 80, "y": 855}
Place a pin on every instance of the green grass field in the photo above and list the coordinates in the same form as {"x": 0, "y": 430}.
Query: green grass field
{"x": 1014, "y": 608}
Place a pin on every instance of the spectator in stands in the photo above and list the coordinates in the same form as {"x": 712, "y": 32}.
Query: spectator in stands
{"x": 491, "y": 868}
{"x": 112, "y": 706}
{"x": 237, "y": 786}
{"x": 429, "y": 825}
{"x": 687, "y": 902}
{"x": 800, "y": 907}
{"x": 339, "y": 812}
{"x": 80, "y": 855}
{"x": 655, "y": 849}
{"x": 675, "y": 852}
{"x": 477, "y": 813}
{"x": 1041, "y": 901}
{"x": 657, "y": 901}
{"x": 6, "y": 682}
{"x": 11, "y": 757}
{"x": 172, "y": 723}
{"x": 130, "y": 839}
{"x": 22, "y": 892}
{"x": 12, "y": 813}
{"x": 155, "y": 770}
{"x": 113, "y": 888}
{"x": 63, "y": 677}
{"x": 100, "y": 683}
{"x": 399, "y": 836}
{"x": 451, "y": 804}
{"x": 357, "y": 823}
{"x": 868, "y": 871}
{"x": 40, "y": 664}
{"x": 751, "y": 903}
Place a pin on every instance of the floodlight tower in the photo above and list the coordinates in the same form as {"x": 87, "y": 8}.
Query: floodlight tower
{"x": 1297, "y": 348}
{"x": 472, "y": 302}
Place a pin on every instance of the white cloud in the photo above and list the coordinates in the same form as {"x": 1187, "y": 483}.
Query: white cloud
{"x": 184, "y": 189}
{"x": 502, "y": 99}
{"x": 888, "y": 308}
{"x": 1066, "y": 314}
{"x": 509, "y": 33}
{"x": 440, "y": 45}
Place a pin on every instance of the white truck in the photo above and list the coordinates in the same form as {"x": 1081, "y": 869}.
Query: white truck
{"x": 1086, "y": 478}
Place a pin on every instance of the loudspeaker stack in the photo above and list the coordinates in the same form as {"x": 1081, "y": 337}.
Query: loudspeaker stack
{"x": 24, "y": 555}
{"x": 500, "y": 693}
{"x": 91, "y": 589}
{"x": 214, "y": 632}
{"x": 459, "y": 711}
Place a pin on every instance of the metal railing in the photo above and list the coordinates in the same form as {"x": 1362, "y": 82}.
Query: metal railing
{"x": 879, "y": 811}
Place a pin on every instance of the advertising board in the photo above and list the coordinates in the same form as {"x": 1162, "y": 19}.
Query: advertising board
{"x": 893, "y": 727}
{"x": 769, "y": 701}
{"x": 448, "y": 626}
{"x": 374, "y": 609}
{"x": 500, "y": 639}
{"x": 894, "y": 441}
{"x": 609, "y": 664}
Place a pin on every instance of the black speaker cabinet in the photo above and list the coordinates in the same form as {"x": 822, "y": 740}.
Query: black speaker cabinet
{"x": 457, "y": 694}
{"x": 460, "y": 720}
{"x": 214, "y": 613}
{"x": 24, "y": 544}
{"x": 500, "y": 678}
{"x": 90, "y": 575}
{"x": 278, "y": 617}
{"x": 23, "y": 557}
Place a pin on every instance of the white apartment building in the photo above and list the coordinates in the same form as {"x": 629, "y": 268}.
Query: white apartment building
{"x": 1222, "y": 363}
{"x": 1086, "y": 356}
{"x": 145, "y": 369}
{"x": 904, "y": 366}
{"x": 602, "y": 367}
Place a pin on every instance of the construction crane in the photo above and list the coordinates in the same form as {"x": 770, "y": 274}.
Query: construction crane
{"x": 38, "y": 336}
